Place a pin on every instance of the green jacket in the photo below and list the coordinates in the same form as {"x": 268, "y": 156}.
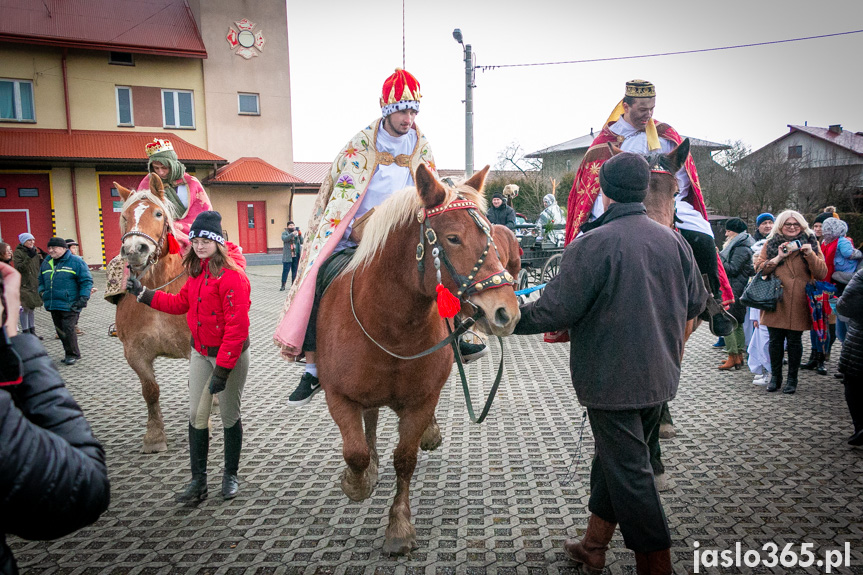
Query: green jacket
{"x": 28, "y": 267}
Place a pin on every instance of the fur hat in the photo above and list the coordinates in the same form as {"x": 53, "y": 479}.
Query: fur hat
{"x": 208, "y": 225}
{"x": 766, "y": 216}
{"x": 56, "y": 242}
{"x": 736, "y": 225}
{"x": 400, "y": 92}
{"x": 25, "y": 237}
{"x": 625, "y": 177}
{"x": 819, "y": 219}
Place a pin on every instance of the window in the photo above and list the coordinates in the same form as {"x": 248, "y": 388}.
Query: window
{"x": 795, "y": 152}
{"x": 249, "y": 105}
{"x": 2, "y": 192}
{"x": 115, "y": 193}
{"x": 177, "y": 109}
{"x": 121, "y": 58}
{"x": 28, "y": 193}
{"x": 124, "y": 106}
{"x": 16, "y": 101}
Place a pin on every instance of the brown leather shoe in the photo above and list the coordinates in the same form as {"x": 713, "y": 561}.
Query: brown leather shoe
{"x": 655, "y": 563}
{"x": 730, "y": 363}
{"x": 590, "y": 551}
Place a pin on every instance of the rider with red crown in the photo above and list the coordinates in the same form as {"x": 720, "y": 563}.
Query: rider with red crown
{"x": 631, "y": 128}
{"x": 379, "y": 160}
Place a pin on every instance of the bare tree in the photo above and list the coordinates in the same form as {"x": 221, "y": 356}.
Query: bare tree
{"x": 532, "y": 184}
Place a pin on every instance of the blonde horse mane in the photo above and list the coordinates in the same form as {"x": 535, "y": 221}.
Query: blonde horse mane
{"x": 398, "y": 210}
{"x": 135, "y": 196}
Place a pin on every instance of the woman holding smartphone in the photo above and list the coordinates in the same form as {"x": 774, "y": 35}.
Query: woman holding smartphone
{"x": 793, "y": 254}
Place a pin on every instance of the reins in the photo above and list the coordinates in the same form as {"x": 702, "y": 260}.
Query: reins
{"x": 467, "y": 286}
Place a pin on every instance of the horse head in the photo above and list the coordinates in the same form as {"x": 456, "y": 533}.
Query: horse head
{"x": 145, "y": 223}
{"x": 470, "y": 264}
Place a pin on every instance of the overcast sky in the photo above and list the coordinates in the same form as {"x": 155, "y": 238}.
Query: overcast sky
{"x": 341, "y": 51}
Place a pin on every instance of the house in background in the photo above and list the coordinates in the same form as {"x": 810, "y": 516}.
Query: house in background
{"x": 566, "y": 157}
{"x": 84, "y": 85}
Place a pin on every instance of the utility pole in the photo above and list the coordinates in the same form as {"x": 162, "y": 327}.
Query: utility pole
{"x": 468, "y": 103}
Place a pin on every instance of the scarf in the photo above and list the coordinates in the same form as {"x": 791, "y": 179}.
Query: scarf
{"x": 779, "y": 239}
{"x": 178, "y": 170}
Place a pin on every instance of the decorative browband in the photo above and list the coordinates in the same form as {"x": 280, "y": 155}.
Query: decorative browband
{"x": 423, "y": 213}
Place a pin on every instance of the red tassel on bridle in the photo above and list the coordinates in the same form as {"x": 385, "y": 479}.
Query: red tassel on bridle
{"x": 447, "y": 304}
{"x": 173, "y": 244}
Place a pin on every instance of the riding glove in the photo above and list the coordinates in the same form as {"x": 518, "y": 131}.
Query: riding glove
{"x": 134, "y": 287}
{"x": 217, "y": 384}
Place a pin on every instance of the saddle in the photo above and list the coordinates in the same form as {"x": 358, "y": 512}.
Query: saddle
{"x": 331, "y": 268}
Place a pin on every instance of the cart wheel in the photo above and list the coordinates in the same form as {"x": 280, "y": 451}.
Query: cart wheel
{"x": 550, "y": 269}
{"x": 522, "y": 282}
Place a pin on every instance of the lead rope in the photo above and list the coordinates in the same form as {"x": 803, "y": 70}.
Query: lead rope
{"x": 573, "y": 466}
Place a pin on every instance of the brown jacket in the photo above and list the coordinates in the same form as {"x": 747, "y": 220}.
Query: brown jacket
{"x": 792, "y": 312}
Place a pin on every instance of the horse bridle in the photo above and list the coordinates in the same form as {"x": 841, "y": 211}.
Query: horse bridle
{"x": 467, "y": 286}
{"x": 155, "y": 255}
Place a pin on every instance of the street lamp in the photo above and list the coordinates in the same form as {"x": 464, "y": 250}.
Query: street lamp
{"x": 468, "y": 103}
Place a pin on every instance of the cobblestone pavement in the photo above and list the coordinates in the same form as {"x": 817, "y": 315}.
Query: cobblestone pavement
{"x": 749, "y": 467}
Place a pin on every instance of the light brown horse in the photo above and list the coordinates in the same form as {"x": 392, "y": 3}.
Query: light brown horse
{"x": 146, "y": 333}
{"x": 384, "y": 294}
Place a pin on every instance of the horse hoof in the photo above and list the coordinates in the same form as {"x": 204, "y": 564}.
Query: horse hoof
{"x": 431, "y": 438}
{"x": 662, "y": 482}
{"x": 358, "y": 490}
{"x": 400, "y": 545}
{"x": 667, "y": 431}
{"x": 154, "y": 447}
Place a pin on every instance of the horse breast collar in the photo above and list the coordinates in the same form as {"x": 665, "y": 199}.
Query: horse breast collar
{"x": 467, "y": 284}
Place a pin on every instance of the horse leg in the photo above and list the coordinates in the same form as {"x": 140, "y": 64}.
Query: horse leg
{"x": 370, "y": 418}
{"x": 348, "y": 415}
{"x": 155, "y": 439}
{"x": 401, "y": 535}
{"x": 431, "y": 438}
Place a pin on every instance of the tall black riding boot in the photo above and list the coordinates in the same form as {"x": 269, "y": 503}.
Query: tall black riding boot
{"x": 233, "y": 447}
{"x": 199, "y": 446}
{"x": 791, "y": 380}
{"x": 813, "y": 360}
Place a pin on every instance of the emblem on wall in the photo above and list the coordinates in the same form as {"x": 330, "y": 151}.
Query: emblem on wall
{"x": 249, "y": 43}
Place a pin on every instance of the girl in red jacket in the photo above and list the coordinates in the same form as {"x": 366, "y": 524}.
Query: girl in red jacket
{"x": 215, "y": 300}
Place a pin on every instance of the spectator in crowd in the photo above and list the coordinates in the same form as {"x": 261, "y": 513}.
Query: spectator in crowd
{"x": 500, "y": 213}
{"x": 6, "y": 253}
{"x": 844, "y": 263}
{"x": 763, "y": 226}
{"x": 736, "y": 257}
{"x": 759, "y": 357}
{"x": 851, "y": 359}
{"x": 216, "y": 302}
{"x": 292, "y": 240}
{"x": 53, "y": 478}
{"x": 73, "y": 247}
{"x": 817, "y": 356}
{"x": 28, "y": 261}
{"x": 793, "y": 254}
{"x": 64, "y": 285}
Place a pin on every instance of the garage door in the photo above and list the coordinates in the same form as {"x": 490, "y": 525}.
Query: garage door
{"x": 25, "y": 206}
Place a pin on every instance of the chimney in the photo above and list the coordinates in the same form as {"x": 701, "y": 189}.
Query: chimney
{"x": 835, "y": 128}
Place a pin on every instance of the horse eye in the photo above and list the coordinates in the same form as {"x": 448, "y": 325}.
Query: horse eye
{"x": 158, "y": 214}
{"x": 453, "y": 240}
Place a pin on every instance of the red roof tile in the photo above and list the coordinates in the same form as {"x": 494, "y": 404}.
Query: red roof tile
{"x": 847, "y": 139}
{"x": 19, "y": 143}
{"x": 144, "y": 26}
{"x": 252, "y": 171}
{"x": 312, "y": 172}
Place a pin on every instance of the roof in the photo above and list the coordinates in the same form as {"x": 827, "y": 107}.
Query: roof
{"x": 144, "y": 26}
{"x": 252, "y": 171}
{"x": 17, "y": 143}
{"x": 584, "y": 142}
{"x": 460, "y": 173}
{"x": 312, "y": 172}
{"x": 851, "y": 141}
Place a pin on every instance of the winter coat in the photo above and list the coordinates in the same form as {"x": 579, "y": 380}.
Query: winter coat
{"x": 737, "y": 259}
{"x": 792, "y": 311}
{"x": 287, "y": 240}
{"x": 851, "y": 306}
{"x": 504, "y": 215}
{"x": 53, "y": 478}
{"x": 28, "y": 266}
{"x": 64, "y": 282}
{"x": 217, "y": 312}
{"x": 847, "y": 257}
{"x": 625, "y": 291}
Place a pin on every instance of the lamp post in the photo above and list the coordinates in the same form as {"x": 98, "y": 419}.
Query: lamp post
{"x": 468, "y": 103}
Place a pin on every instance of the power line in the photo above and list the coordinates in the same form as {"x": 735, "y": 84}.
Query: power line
{"x": 667, "y": 53}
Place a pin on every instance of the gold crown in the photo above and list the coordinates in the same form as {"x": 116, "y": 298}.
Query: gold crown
{"x": 158, "y": 145}
{"x": 640, "y": 89}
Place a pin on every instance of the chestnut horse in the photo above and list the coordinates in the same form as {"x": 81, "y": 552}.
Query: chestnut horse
{"x": 387, "y": 293}
{"x": 146, "y": 333}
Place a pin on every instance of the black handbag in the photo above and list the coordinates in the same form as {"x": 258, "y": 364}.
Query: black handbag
{"x": 762, "y": 292}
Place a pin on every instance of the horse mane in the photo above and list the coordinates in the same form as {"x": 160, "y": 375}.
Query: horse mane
{"x": 135, "y": 196}
{"x": 398, "y": 210}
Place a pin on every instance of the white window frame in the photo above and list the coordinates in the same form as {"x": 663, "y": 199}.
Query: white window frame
{"x": 131, "y": 107}
{"x": 16, "y": 100}
{"x": 177, "y": 109}
{"x": 257, "y": 104}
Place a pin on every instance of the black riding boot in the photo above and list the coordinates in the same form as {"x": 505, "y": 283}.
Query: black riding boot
{"x": 233, "y": 447}
{"x": 199, "y": 446}
{"x": 820, "y": 369}
{"x": 813, "y": 360}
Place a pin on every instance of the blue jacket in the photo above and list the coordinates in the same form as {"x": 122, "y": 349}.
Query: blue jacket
{"x": 64, "y": 281}
{"x": 847, "y": 257}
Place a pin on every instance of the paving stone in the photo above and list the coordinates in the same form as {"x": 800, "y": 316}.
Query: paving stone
{"x": 496, "y": 498}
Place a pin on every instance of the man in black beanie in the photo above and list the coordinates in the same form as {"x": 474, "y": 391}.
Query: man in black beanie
{"x": 64, "y": 284}
{"x": 625, "y": 291}
{"x": 500, "y": 213}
